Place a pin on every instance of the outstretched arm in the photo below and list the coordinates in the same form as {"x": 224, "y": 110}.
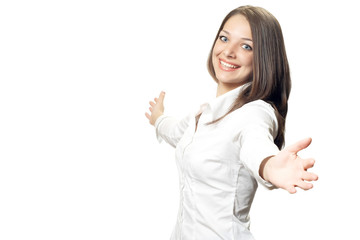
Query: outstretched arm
{"x": 156, "y": 108}
{"x": 287, "y": 170}
{"x": 167, "y": 128}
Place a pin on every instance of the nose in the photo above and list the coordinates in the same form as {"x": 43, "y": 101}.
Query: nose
{"x": 230, "y": 51}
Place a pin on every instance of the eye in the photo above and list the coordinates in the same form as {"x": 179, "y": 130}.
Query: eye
{"x": 247, "y": 47}
{"x": 223, "y": 38}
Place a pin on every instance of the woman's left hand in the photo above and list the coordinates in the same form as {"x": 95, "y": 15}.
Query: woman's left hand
{"x": 287, "y": 170}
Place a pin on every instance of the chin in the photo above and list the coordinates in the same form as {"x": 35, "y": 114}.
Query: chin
{"x": 231, "y": 81}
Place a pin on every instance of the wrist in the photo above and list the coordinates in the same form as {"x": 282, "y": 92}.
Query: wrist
{"x": 158, "y": 120}
{"x": 264, "y": 169}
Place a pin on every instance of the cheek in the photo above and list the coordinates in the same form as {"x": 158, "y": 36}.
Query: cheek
{"x": 215, "y": 53}
{"x": 216, "y": 50}
{"x": 213, "y": 56}
{"x": 214, "y": 60}
{"x": 248, "y": 61}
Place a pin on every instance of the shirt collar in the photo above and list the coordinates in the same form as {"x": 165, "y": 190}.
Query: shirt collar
{"x": 219, "y": 106}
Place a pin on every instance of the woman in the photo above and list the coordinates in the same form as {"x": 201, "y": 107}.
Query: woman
{"x": 233, "y": 142}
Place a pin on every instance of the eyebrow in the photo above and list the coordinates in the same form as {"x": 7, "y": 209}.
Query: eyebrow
{"x": 247, "y": 39}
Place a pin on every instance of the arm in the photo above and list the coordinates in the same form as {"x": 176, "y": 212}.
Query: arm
{"x": 287, "y": 170}
{"x": 167, "y": 128}
{"x": 257, "y": 130}
{"x": 283, "y": 169}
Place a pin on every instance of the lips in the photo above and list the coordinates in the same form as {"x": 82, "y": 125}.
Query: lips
{"x": 226, "y": 66}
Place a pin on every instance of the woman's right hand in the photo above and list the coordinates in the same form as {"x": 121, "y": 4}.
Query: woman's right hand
{"x": 156, "y": 108}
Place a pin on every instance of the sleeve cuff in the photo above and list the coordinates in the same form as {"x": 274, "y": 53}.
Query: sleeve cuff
{"x": 156, "y": 125}
{"x": 270, "y": 152}
{"x": 254, "y": 160}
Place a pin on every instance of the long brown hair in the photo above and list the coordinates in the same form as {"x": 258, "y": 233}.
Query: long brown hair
{"x": 271, "y": 80}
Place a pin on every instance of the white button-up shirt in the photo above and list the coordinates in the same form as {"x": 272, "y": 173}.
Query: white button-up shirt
{"x": 219, "y": 166}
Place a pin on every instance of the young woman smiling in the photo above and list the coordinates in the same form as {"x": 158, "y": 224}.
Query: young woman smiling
{"x": 232, "y": 143}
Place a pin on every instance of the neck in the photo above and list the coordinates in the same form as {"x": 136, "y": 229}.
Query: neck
{"x": 224, "y": 88}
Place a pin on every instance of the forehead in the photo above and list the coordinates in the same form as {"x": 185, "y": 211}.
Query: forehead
{"x": 238, "y": 25}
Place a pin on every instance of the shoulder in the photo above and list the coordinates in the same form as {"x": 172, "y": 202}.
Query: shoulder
{"x": 257, "y": 112}
{"x": 259, "y": 107}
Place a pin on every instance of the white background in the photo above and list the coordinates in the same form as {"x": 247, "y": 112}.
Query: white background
{"x": 78, "y": 159}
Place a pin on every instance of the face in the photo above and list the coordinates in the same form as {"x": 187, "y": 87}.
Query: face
{"x": 232, "y": 54}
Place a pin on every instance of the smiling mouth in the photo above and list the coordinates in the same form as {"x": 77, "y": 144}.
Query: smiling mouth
{"x": 227, "y": 66}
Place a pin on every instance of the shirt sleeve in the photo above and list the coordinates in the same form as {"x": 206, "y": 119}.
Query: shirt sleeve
{"x": 170, "y": 129}
{"x": 256, "y": 137}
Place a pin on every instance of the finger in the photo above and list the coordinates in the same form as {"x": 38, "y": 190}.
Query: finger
{"x": 309, "y": 176}
{"x": 161, "y": 96}
{"x": 308, "y": 163}
{"x": 300, "y": 145}
{"x": 151, "y": 109}
{"x": 147, "y": 116}
{"x": 304, "y": 185}
{"x": 156, "y": 100}
{"x": 291, "y": 189}
{"x": 152, "y": 104}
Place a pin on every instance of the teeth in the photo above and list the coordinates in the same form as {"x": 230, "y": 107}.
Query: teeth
{"x": 228, "y": 65}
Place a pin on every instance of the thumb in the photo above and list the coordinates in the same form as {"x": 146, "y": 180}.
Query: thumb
{"x": 300, "y": 145}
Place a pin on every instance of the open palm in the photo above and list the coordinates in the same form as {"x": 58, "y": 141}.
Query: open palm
{"x": 287, "y": 170}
